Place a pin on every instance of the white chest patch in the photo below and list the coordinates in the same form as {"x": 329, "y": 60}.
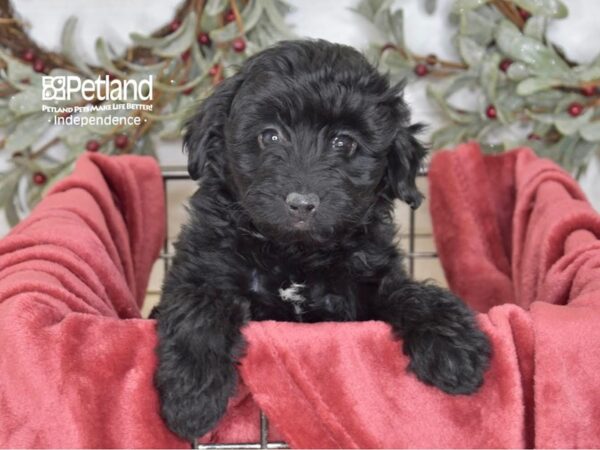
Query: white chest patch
{"x": 292, "y": 294}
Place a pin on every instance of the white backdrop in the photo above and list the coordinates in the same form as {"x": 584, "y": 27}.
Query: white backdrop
{"x": 333, "y": 20}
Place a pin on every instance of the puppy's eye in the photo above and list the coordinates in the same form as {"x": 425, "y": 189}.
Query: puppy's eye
{"x": 269, "y": 137}
{"x": 344, "y": 143}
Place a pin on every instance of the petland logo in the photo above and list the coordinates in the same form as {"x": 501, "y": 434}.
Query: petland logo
{"x": 99, "y": 102}
{"x": 65, "y": 87}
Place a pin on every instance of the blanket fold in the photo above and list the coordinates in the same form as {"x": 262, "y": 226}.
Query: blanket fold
{"x": 519, "y": 209}
{"x": 76, "y": 359}
{"x": 517, "y": 240}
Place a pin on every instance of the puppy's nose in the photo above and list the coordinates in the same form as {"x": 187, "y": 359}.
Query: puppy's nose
{"x": 302, "y": 205}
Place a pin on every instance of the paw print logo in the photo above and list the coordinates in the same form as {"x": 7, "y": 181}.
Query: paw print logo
{"x": 54, "y": 88}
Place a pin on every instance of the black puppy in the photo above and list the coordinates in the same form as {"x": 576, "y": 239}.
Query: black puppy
{"x": 301, "y": 155}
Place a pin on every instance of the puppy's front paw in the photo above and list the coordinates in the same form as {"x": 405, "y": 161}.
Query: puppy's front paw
{"x": 193, "y": 399}
{"x": 452, "y": 356}
{"x": 191, "y": 420}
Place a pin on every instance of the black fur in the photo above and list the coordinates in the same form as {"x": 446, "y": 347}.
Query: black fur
{"x": 242, "y": 244}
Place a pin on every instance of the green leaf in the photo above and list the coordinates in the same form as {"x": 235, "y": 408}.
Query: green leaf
{"x": 215, "y": 7}
{"x": 447, "y": 136}
{"x": 460, "y": 6}
{"x": 587, "y": 73}
{"x": 470, "y": 51}
{"x": 170, "y": 42}
{"x": 477, "y": 26}
{"x": 369, "y": 8}
{"x": 8, "y": 182}
{"x": 590, "y": 131}
{"x": 27, "y": 132}
{"x": 580, "y": 156}
{"x": 26, "y": 102}
{"x": 6, "y": 116}
{"x": 509, "y": 105}
{"x": 17, "y": 71}
{"x": 533, "y": 85}
{"x": 546, "y": 8}
{"x": 543, "y": 118}
{"x": 186, "y": 34}
{"x": 517, "y": 71}
{"x": 276, "y": 19}
{"x": 146, "y": 147}
{"x": 69, "y": 49}
{"x": 454, "y": 83}
{"x": 391, "y": 24}
{"x": 8, "y": 192}
{"x": 106, "y": 60}
{"x": 250, "y": 17}
{"x": 454, "y": 115}
{"x": 54, "y": 174}
{"x": 489, "y": 73}
{"x": 147, "y": 69}
{"x": 535, "y": 27}
{"x": 541, "y": 60}
{"x": 544, "y": 99}
{"x": 559, "y": 152}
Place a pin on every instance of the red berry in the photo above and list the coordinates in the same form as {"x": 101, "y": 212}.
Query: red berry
{"x": 174, "y": 26}
{"x": 214, "y": 70}
{"x": 575, "y": 109}
{"x": 111, "y": 76}
{"x": 186, "y": 55}
{"x": 525, "y": 15}
{"x": 588, "y": 91}
{"x": 239, "y": 45}
{"x": 121, "y": 141}
{"x": 421, "y": 70}
{"x": 29, "y": 55}
{"x": 491, "y": 112}
{"x": 39, "y": 66}
{"x": 229, "y": 16}
{"x": 92, "y": 145}
{"x": 505, "y": 64}
{"x": 39, "y": 178}
{"x": 204, "y": 39}
{"x": 534, "y": 137}
{"x": 188, "y": 91}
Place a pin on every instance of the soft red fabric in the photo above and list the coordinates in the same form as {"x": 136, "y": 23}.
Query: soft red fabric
{"x": 76, "y": 362}
{"x": 517, "y": 229}
{"x": 76, "y": 359}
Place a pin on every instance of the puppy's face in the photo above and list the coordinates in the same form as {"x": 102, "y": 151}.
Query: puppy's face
{"x": 311, "y": 137}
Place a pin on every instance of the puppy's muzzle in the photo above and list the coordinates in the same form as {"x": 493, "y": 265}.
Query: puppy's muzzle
{"x": 302, "y": 206}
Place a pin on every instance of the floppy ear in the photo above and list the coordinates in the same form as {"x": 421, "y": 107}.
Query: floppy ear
{"x": 204, "y": 136}
{"x": 404, "y": 161}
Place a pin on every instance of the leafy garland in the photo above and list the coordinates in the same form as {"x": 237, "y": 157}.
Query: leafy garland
{"x": 528, "y": 92}
{"x": 202, "y": 44}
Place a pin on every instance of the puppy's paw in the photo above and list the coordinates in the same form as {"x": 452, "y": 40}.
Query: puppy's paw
{"x": 194, "y": 396}
{"x": 192, "y": 420}
{"x": 452, "y": 356}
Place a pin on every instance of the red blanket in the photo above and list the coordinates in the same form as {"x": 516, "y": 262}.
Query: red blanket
{"x": 76, "y": 361}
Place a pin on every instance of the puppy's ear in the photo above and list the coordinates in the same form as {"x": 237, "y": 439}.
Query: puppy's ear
{"x": 204, "y": 137}
{"x": 404, "y": 161}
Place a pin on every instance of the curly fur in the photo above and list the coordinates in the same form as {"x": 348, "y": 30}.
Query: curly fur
{"x": 242, "y": 258}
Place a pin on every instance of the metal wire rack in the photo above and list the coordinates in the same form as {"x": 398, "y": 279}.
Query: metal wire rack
{"x": 173, "y": 173}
